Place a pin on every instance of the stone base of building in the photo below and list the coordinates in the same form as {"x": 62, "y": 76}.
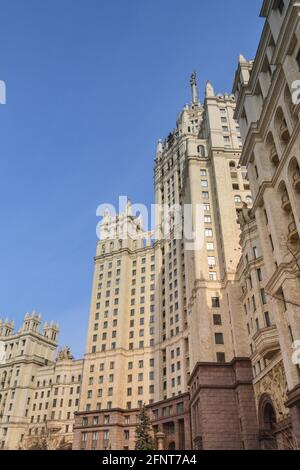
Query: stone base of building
{"x": 293, "y": 404}
{"x": 115, "y": 429}
{"x": 222, "y": 404}
{"x": 219, "y": 413}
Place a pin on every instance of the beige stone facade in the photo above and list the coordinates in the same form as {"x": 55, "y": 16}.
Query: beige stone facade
{"x": 160, "y": 310}
{"x": 269, "y": 122}
{"x": 38, "y": 391}
{"x": 203, "y": 336}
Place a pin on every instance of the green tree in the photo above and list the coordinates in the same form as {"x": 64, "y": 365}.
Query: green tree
{"x": 144, "y": 439}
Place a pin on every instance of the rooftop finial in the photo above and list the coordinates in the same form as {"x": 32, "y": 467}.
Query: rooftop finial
{"x": 195, "y": 96}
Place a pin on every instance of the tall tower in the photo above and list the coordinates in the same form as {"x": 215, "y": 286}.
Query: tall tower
{"x": 118, "y": 370}
{"x": 160, "y": 309}
{"x": 197, "y": 165}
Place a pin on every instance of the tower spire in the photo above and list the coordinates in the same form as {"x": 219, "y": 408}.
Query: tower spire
{"x": 193, "y": 82}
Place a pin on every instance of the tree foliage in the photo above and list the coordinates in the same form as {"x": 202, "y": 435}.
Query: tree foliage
{"x": 144, "y": 439}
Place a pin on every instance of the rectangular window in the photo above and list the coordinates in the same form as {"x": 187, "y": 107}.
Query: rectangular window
{"x": 219, "y": 338}
{"x": 221, "y": 358}
{"x": 259, "y": 275}
{"x": 268, "y": 320}
{"x": 215, "y": 302}
{"x": 217, "y": 320}
{"x": 211, "y": 261}
{"x": 263, "y": 297}
{"x": 298, "y": 59}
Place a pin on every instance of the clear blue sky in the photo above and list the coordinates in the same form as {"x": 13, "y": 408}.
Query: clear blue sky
{"x": 91, "y": 86}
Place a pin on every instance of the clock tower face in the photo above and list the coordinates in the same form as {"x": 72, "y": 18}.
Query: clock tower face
{"x": 2, "y": 353}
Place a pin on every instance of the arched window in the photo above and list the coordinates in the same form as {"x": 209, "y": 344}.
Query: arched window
{"x": 294, "y": 174}
{"x": 281, "y": 127}
{"x": 272, "y": 151}
{"x": 237, "y": 199}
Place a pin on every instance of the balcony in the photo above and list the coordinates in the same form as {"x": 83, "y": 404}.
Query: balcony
{"x": 296, "y": 184}
{"x": 284, "y": 132}
{"x": 286, "y": 203}
{"x": 267, "y": 342}
{"x": 293, "y": 233}
{"x": 274, "y": 156}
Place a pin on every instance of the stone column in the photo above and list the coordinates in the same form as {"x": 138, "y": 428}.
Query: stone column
{"x": 160, "y": 441}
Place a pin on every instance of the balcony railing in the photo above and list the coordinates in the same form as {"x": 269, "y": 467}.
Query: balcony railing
{"x": 293, "y": 233}
{"x": 296, "y": 184}
{"x": 274, "y": 156}
{"x": 267, "y": 342}
{"x": 286, "y": 203}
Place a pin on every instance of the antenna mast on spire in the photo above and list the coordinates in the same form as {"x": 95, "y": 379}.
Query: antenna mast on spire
{"x": 193, "y": 82}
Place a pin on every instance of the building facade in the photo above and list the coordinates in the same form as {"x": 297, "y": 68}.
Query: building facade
{"x": 269, "y": 121}
{"x": 200, "y": 325}
{"x": 165, "y": 319}
{"x": 39, "y": 392}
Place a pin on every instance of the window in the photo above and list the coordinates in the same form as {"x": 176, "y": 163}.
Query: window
{"x": 203, "y": 173}
{"x": 208, "y": 232}
{"x": 210, "y": 246}
{"x": 211, "y": 261}
{"x": 204, "y": 184}
{"x": 219, "y": 338}
{"x": 259, "y": 274}
{"x": 207, "y": 219}
{"x": 255, "y": 252}
{"x": 263, "y": 297}
{"x": 205, "y": 194}
{"x": 221, "y": 358}
{"x": 280, "y": 6}
{"x": 237, "y": 199}
{"x": 212, "y": 276}
{"x": 215, "y": 302}
{"x": 267, "y": 320}
{"x": 84, "y": 421}
{"x": 217, "y": 320}
{"x": 298, "y": 59}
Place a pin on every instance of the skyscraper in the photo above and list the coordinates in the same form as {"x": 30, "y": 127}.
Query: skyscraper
{"x": 160, "y": 308}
